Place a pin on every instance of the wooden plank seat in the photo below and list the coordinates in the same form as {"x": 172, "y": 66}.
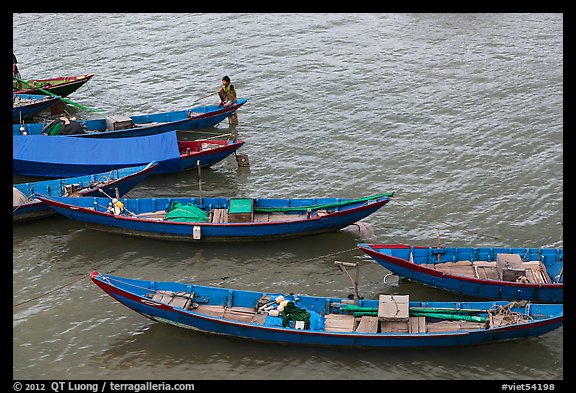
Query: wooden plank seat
{"x": 453, "y": 326}
{"x": 367, "y": 324}
{"x": 213, "y": 311}
{"x": 174, "y": 299}
{"x": 461, "y": 268}
{"x": 536, "y": 272}
{"x": 242, "y": 314}
{"x": 271, "y": 217}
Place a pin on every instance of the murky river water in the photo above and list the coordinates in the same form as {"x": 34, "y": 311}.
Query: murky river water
{"x": 460, "y": 114}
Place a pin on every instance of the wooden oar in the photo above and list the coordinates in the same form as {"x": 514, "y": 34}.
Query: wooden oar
{"x": 55, "y": 95}
{"x": 201, "y": 98}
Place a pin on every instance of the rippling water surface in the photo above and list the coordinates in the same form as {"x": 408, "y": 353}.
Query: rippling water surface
{"x": 460, "y": 114}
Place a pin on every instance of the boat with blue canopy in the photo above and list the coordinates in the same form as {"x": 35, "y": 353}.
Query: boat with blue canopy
{"x": 60, "y": 156}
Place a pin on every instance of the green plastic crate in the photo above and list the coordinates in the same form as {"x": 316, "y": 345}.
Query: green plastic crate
{"x": 241, "y": 206}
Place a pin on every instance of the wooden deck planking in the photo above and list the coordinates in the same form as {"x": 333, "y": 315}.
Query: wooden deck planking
{"x": 339, "y": 323}
{"x": 535, "y": 271}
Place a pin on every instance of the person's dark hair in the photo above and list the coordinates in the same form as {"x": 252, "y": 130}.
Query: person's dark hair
{"x": 226, "y": 78}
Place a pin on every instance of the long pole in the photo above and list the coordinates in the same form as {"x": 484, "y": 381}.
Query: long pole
{"x": 342, "y": 267}
{"x": 199, "y": 179}
{"x": 55, "y": 95}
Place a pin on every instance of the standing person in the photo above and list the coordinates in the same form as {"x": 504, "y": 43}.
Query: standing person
{"x": 15, "y": 72}
{"x": 227, "y": 94}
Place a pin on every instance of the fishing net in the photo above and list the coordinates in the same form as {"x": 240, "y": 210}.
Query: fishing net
{"x": 185, "y": 213}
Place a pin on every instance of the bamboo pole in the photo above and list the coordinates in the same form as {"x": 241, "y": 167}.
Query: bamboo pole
{"x": 199, "y": 180}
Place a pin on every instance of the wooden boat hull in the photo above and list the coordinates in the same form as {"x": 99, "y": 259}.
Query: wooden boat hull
{"x": 115, "y": 182}
{"x": 37, "y": 104}
{"x": 151, "y": 124}
{"x": 396, "y": 258}
{"x": 289, "y": 227}
{"x": 60, "y": 86}
{"x": 237, "y": 319}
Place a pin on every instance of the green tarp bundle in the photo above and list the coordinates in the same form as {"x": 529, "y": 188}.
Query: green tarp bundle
{"x": 185, "y": 213}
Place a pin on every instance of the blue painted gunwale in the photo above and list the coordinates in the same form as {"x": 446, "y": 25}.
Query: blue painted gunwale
{"x": 123, "y": 179}
{"x": 39, "y": 103}
{"x": 396, "y": 258}
{"x": 150, "y": 124}
{"x": 132, "y": 294}
{"x": 83, "y": 210}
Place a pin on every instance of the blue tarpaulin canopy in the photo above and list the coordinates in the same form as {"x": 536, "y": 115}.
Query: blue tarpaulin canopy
{"x": 65, "y": 156}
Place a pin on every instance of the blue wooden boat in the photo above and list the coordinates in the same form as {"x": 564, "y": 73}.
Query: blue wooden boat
{"x": 141, "y": 125}
{"x": 218, "y": 219}
{"x": 301, "y": 319}
{"x": 499, "y": 273}
{"x": 117, "y": 182}
{"x": 26, "y": 106}
{"x": 60, "y": 156}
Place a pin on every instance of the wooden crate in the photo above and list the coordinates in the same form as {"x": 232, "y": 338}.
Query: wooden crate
{"x": 118, "y": 123}
{"x": 241, "y": 210}
{"x": 510, "y": 266}
{"x": 393, "y": 307}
